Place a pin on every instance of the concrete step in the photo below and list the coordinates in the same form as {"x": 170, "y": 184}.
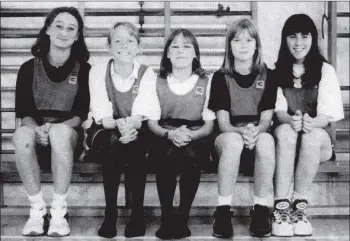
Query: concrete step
{"x": 328, "y": 193}
{"x": 85, "y": 228}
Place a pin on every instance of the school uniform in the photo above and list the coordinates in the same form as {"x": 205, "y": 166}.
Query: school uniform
{"x": 244, "y": 97}
{"x": 111, "y": 96}
{"x": 174, "y": 104}
{"x": 53, "y": 95}
{"x": 323, "y": 98}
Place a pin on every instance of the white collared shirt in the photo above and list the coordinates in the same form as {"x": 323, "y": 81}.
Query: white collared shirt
{"x": 153, "y": 110}
{"x": 329, "y": 100}
{"x": 100, "y": 106}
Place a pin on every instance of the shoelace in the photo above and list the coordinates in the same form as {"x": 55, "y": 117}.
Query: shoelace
{"x": 282, "y": 215}
{"x": 300, "y": 215}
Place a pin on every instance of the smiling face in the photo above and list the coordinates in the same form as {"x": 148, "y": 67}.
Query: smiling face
{"x": 243, "y": 47}
{"x": 299, "y": 45}
{"x": 181, "y": 52}
{"x": 124, "y": 46}
{"x": 63, "y": 31}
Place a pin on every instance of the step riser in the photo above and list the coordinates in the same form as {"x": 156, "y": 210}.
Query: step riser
{"x": 91, "y": 194}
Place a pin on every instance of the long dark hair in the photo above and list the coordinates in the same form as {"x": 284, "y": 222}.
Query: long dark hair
{"x": 235, "y": 29}
{"x": 165, "y": 64}
{"x": 79, "y": 50}
{"x": 299, "y": 23}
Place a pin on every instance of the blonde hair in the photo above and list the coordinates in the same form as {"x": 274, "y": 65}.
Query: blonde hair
{"x": 235, "y": 29}
{"x": 133, "y": 31}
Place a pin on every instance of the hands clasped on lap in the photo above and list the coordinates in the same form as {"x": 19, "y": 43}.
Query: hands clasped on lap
{"x": 250, "y": 135}
{"x": 181, "y": 136}
{"x": 42, "y": 134}
{"x": 302, "y": 122}
{"x": 125, "y": 126}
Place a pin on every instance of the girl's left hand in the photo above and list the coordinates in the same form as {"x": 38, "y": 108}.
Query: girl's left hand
{"x": 129, "y": 136}
{"x": 307, "y": 123}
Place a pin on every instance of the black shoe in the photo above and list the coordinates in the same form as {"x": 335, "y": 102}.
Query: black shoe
{"x": 222, "y": 227}
{"x": 108, "y": 228}
{"x": 181, "y": 229}
{"x": 136, "y": 227}
{"x": 260, "y": 223}
{"x": 164, "y": 232}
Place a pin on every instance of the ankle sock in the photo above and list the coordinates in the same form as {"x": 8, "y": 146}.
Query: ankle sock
{"x": 224, "y": 200}
{"x": 263, "y": 201}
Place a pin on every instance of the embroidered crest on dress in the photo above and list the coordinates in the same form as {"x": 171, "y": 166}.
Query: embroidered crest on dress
{"x": 135, "y": 89}
{"x": 73, "y": 80}
{"x": 260, "y": 84}
{"x": 199, "y": 90}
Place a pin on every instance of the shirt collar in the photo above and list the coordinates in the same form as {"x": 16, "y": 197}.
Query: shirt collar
{"x": 192, "y": 78}
{"x": 134, "y": 74}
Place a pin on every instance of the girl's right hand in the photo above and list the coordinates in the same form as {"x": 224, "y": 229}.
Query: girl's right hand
{"x": 129, "y": 136}
{"x": 42, "y": 137}
{"x": 108, "y": 123}
{"x": 297, "y": 121}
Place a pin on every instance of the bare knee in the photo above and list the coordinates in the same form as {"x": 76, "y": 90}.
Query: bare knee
{"x": 62, "y": 136}
{"x": 229, "y": 142}
{"x": 311, "y": 140}
{"x": 24, "y": 139}
{"x": 285, "y": 134}
{"x": 265, "y": 149}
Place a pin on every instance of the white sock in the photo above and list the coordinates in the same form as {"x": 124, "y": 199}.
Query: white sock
{"x": 37, "y": 201}
{"x": 264, "y": 201}
{"x": 224, "y": 200}
{"x": 59, "y": 205}
{"x": 297, "y": 195}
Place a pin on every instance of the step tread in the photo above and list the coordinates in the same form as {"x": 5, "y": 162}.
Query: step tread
{"x": 86, "y": 228}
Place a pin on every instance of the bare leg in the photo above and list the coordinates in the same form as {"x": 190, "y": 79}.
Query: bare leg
{"x": 285, "y": 158}
{"x": 264, "y": 165}
{"x": 63, "y": 140}
{"x": 229, "y": 147}
{"x": 315, "y": 147}
{"x": 26, "y": 159}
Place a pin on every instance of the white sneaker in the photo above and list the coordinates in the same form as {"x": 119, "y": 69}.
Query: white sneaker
{"x": 282, "y": 222}
{"x": 37, "y": 222}
{"x": 59, "y": 227}
{"x": 301, "y": 223}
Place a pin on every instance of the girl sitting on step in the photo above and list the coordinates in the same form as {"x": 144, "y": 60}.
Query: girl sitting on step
{"x": 308, "y": 99}
{"x": 243, "y": 97}
{"x": 52, "y": 100}
{"x": 117, "y": 137}
{"x": 181, "y": 124}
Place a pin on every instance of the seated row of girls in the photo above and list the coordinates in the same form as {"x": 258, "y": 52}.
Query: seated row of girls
{"x": 123, "y": 95}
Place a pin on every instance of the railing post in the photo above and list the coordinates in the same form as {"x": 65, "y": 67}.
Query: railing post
{"x": 332, "y": 33}
{"x": 254, "y": 10}
{"x": 167, "y": 21}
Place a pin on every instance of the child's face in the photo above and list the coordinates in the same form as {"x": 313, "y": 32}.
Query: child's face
{"x": 299, "y": 46}
{"x": 243, "y": 47}
{"x": 124, "y": 47}
{"x": 63, "y": 31}
{"x": 181, "y": 52}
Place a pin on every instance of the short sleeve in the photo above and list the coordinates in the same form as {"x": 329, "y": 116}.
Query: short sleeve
{"x": 208, "y": 114}
{"x": 329, "y": 100}
{"x": 219, "y": 96}
{"x": 146, "y": 102}
{"x": 100, "y": 105}
{"x": 268, "y": 99}
{"x": 281, "y": 101}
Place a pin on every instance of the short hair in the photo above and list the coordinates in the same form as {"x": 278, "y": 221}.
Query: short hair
{"x": 235, "y": 29}
{"x": 133, "y": 31}
{"x": 299, "y": 23}
{"x": 79, "y": 49}
{"x": 165, "y": 63}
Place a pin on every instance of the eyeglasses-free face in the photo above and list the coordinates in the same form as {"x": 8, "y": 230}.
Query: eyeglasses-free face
{"x": 181, "y": 52}
{"x": 299, "y": 45}
{"x": 243, "y": 47}
{"x": 124, "y": 46}
{"x": 63, "y": 31}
